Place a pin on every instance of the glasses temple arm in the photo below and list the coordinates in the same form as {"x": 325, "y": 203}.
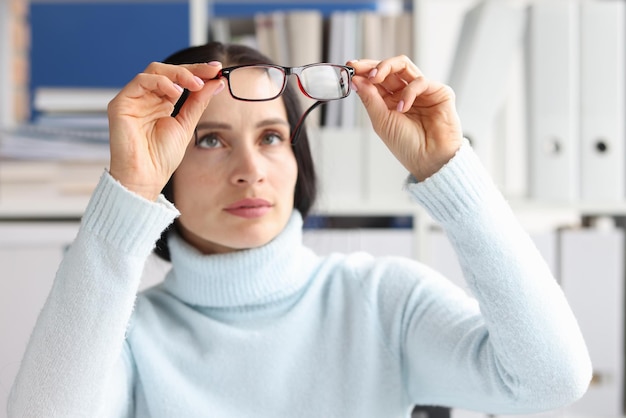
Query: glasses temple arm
{"x": 298, "y": 128}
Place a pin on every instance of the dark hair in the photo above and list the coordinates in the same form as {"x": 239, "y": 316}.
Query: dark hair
{"x": 232, "y": 54}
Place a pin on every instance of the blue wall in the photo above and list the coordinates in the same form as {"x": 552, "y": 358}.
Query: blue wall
{"x": 102, "y": 44}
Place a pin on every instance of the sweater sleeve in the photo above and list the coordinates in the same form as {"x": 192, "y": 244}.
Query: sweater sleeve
{"x": 76, "y": 347}
{"x": 519, "y": 348}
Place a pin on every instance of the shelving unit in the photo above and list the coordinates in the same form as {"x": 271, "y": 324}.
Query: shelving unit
{"x": 19, "y": 214}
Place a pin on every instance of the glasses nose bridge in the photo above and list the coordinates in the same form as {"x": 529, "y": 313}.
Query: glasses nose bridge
{"x": 297, "y": 72}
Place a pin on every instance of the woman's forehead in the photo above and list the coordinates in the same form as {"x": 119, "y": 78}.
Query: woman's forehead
{"x": 223, "y": 107}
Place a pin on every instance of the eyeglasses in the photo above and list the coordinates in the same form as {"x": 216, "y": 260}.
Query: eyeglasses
{"x": 261, "y": 82}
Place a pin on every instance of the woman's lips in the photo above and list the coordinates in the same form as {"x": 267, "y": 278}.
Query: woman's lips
{"x": 249, "y": 208}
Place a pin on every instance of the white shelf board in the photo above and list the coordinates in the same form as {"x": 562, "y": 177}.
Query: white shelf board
{"x": 44, "y": 208}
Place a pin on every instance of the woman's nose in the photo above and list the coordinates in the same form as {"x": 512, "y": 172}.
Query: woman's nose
{"x": 249, "y": 167}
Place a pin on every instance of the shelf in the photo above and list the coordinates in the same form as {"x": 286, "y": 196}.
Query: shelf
{"x": 582, "y": 208}
{"x": 66, "y": 208}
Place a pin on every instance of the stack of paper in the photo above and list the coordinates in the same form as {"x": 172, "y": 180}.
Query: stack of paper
{"x": 62, "y": 152}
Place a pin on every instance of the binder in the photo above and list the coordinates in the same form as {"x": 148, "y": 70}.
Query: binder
{"x": 271, "y": 35}
{"x": 351, "y": 49}
{"x": 339, "y": 162}
{"x": 491, "y": 34}
{"x": 279, "y": 38}
{"x": 305, "y": 47}
{"x": 592, "y": 274}
{"x": 553, "y": 90}
{"x": 511, "y": 134}
{"x": 603, "y": 109}
{"x": 371, "y": 48}
{"x": 384, "y": 174}
{"x": 371, "y": 34}
{"x": 263, "y": 29}
{"x": 304, "y": 32}
{"x": 332, "y": 109}
{"x": 440, "y": 21}
{"x": 404, "y": 34}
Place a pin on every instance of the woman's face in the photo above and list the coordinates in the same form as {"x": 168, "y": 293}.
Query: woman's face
{"x": 235, "y": 186}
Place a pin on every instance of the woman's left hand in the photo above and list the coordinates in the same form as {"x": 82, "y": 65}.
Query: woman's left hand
{"x": 415, "y": 117}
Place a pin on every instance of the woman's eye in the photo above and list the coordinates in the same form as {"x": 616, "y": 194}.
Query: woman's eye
{"x": 272, "y": 138}
{"x": 211, "y": 140}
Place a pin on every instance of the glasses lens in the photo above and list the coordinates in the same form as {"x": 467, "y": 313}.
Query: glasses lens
{"x": 325, "y": 82}
{"x": 256, "y": 82}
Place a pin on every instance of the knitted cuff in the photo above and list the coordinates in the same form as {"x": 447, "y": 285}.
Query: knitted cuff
{"x": 458, "y": 189}
{"x": 125, "y": 219}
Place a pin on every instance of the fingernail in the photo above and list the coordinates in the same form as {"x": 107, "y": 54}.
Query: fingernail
{"x": 400, "y": 106}
{"x": 219, "y": 88}
{"x": 373, "y": 73}
{"x": 353, "y": 86}
{"x": 179, "y": 88}
{"x": 214, "y": 63}
{"x": 198, "y": 80}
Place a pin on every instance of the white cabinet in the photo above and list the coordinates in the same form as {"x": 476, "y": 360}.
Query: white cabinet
{"x": 30, "y": 253}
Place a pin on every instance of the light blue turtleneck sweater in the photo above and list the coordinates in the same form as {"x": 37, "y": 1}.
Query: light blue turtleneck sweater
{"x": 277, "y": 331}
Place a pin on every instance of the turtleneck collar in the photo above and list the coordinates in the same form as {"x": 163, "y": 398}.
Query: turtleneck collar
{"x": 247, "y": 277}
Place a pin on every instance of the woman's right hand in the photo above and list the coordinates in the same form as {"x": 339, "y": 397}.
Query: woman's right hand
{"x": 147, "y": 143}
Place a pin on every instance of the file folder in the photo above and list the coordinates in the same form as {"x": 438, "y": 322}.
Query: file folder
{"x": 384, "y": 174}
{"x": 592, "y": 274}
{"x": 553, "y": 92}
{"x": 491, "y": 35}
{"x": 603, "y": 90}
{"x": 339, "y": 161}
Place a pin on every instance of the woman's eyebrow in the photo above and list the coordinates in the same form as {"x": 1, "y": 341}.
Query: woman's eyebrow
{"x": 213, "y": 125}
{"x": 226, "y": 126}
{"x": 272, "y": 121}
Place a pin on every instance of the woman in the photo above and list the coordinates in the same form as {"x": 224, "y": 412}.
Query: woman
{"x": 249, "y": 322}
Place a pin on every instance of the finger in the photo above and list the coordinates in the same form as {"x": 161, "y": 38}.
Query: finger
{"x": 363, "y": 66}
{"x": 191, "y": 110}
{"x": 391, "y": 75}
{"x": 401, "y": 66}
{"x": 394, "y": 74}
{"x": 375, "y": 104}
{"x": 392, "y": 85}
{"x": 377, "y": 70}
{"x": 159, "y": 85}
{"x": 363, "y": 63}
{"x": 189, "y": 76}
{"x": 417, "y": 88}
{"x": 204, "y": 71}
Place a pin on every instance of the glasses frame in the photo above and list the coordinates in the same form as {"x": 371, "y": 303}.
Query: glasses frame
{"x": 287, "y": 71}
